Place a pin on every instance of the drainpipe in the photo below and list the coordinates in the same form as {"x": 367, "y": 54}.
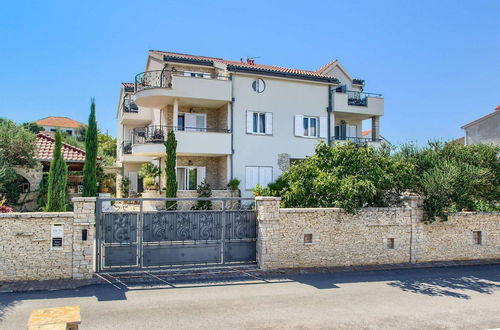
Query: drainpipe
{"x": 329, "y": 111}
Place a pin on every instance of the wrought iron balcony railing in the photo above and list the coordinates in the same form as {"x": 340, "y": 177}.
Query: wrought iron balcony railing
{"x": 126, "y": 147}
{"x": 158, "y": 134}
{"x": 163, "y": 78}
{"x": 359, "y": 98}
{"x": 129, "y": 105}
{"x": 355, "y": 139}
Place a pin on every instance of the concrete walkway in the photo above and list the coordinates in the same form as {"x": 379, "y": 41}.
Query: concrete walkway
{"x": 455, "y": 297}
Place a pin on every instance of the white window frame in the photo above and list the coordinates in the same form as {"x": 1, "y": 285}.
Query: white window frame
{"x": 309, "y": 128}
{"x": 200, "y": 178}
{"x": 197, "y": 74}
{"x": 193, "y": 129}
{"x": 268, "y": 122}
{"x": 249, "y": 187}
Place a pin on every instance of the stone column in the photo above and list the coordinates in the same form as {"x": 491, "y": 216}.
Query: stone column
{"x": 414, "y": 203}
{"x": 175, "y": 113}
{"x": 268, "y": 231}
{"x": 375, "y": 128}
{"x": 83, "y": 250}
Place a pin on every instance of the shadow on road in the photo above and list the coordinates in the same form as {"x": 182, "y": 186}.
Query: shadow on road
{"x": 455, "y": 282}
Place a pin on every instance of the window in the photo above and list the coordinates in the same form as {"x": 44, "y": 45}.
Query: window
{"x": 192, "y": 122}
{"x": 52, "y": 129}
{"x": 308, "y": 238}
{"x": 258, "y": 85}
{"x": 259, "y": 122}
{"x": 390, "y": 243}
{"x": 258, "y": 175}
{"x": 346, "y": 132}
{"x": 197, "y": 74}
{"x": 311, "y": 126}
{"x": 189, "y": 178}
{"x": 477, "y": 237}
{"x": 69, "y": 132}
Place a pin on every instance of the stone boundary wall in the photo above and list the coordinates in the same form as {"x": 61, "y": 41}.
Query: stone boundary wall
{"x": 27, "y": 251}
{"x": 330, "y": 237}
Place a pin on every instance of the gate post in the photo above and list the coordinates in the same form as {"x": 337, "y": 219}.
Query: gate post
{"x": 83, "y": 237}
{"x": 268, "y": 231}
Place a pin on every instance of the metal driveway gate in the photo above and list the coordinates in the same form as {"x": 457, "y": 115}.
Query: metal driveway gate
{"x": 140, "y": 239}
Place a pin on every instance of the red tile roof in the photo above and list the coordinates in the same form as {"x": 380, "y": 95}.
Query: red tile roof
{"x": 59, "y": 122}
{"x": 45, "y": 147}
{"x": 366, "y": 132}
{"x": 242, "y": 64}
{"x": 495, "y": 112}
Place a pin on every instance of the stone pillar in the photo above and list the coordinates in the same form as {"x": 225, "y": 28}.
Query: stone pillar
{"x": 268, "y": 231}
{"x": 83, "y": 250}
{"x": 175, "y": 113}
{"x": 375, "y": 128}
{"x": 414, "y": 203}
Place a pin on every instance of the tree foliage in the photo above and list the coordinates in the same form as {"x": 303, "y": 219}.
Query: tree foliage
{"x": 33, "y": 127}
{"x": 57, "y": 180}
{"x": 17, "y": 145}
{"x": 90, "y": 166}
{"x": 171, "y": 151}
{"x": 204, "y": 190}
{"x": 450, "y": 177}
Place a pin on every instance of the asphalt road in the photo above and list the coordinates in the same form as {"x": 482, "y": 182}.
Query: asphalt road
{"x": 435, "y": 298}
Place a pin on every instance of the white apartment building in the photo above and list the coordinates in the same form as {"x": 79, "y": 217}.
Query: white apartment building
{"x": 236, "y": 119}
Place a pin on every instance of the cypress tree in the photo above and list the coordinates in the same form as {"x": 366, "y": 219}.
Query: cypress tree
{"x": 90, "y": 166}
{"x": 171, "y": 188}
{"x": 58, "y": 177}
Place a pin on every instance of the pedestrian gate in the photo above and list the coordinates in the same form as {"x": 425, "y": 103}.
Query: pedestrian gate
{"x": 142, "y": 239}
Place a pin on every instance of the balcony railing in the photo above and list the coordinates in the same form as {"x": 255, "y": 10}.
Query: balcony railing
{"x": 163, "y": 78}
{"x": 127, "y": 147}
{"x": 129, "y": 105}
{"x": 355, "y": 139}
{"x": 158, "y": 134}
{"x": 359, "y": 98}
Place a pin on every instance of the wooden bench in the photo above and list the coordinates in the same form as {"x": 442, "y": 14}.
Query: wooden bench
{"x": 67, "y": 317}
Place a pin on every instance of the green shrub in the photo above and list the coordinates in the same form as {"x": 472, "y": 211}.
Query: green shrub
{"x": 205, "y": 191}
{"x": 234, "y": 184}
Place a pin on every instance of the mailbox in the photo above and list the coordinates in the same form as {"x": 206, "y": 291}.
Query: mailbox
{"x": 57, "y": 234}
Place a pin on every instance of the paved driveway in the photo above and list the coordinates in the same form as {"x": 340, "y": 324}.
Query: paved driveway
{"x": 455, "y": 297}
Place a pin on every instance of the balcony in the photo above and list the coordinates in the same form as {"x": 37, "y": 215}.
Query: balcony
{"x": 357, "y": 140}
{"x": 156, "y": 89}
{"x": 148, "y": 141}
{"x": 130, "y": 113}
{"x": 362, "y": 103}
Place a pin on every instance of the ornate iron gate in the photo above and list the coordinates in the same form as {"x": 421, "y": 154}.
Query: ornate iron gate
{"x": 141, "y": 239}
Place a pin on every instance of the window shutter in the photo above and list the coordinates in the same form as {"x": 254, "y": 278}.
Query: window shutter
{"x": 249, "y": 122}
{"x": 265, "y": 175}
{"x": 269, "y": 123}
{"x": 200, "y": 177}
{"x": 323, "y": 127}
{"x": 299, "y": 125}
{"x": 251, "y": 177}
{"x": 133, "y": 181}
{"x": 190, "y": 121}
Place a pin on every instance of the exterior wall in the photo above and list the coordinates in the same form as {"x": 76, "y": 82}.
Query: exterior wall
{"x": 26, "y": 251}
{"x": 284, "y": 99}
{"x": 486, "y": 131}
{"x": 438, "y": 238}
{"x": 216, "y": 171}
{"x": 341, "y": 239}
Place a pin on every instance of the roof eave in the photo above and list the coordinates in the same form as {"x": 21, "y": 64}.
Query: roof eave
{"x": 235, "y": 68}
{"x": 175, "y": 59}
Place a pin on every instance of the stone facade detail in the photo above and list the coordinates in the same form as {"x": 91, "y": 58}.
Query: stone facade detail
{"x": 32, "y": 175}
{"x": 26, "y": 251}
{"x": 341, "y": 239}
{"x": 283, "y": 161}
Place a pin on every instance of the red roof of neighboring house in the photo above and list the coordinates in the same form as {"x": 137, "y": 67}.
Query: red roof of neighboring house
{"x": 59, "y": 122}
{"x": 242, "y": 64}
{"x": 366, "y": 132}
{"x": 128, "y": 87}
{"x": 495, "y": 112}
{"x": 45, "y": 147}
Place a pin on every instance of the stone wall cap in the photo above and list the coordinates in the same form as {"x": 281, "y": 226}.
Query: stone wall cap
{"x": 267, "y": 198}
{"x": 37, "y": 215}
{"x": 83, "y": 199}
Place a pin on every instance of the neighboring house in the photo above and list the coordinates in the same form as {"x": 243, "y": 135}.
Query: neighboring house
{"x": 236, "y": 119}
{"x": 65, "y": 124}
{"x": 367, "y": 134}
{"x": 484, "y": 130}
{"x": 32, "y": 177}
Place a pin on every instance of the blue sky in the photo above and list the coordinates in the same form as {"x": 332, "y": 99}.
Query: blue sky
{"x": 437, "y": 63}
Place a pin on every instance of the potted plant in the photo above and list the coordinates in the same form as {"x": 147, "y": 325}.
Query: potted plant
{"x": 148, "y": 173}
